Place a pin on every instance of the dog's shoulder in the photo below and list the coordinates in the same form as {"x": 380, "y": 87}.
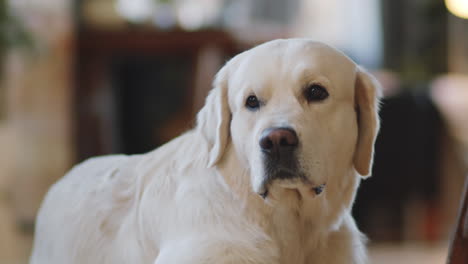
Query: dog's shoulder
{"x": 92, "y": 173}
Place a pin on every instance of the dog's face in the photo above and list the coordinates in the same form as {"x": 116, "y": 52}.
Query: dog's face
{"x": 297, "y": 112}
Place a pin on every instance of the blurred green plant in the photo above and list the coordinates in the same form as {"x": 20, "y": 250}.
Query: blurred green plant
{"x": 13, "y": 34}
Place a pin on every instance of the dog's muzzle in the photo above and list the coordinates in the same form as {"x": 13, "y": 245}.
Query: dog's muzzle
{"x": 279, "y": 146}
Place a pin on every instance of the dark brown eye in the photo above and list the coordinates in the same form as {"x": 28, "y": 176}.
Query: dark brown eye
{"x": 252, "y": 102}
{"x": 315, "y": 93}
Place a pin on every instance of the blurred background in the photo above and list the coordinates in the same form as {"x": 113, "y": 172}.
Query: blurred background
{"x": 81, "y": 78}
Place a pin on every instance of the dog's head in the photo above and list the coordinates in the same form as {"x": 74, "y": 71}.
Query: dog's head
{"x": 297, "y": 112}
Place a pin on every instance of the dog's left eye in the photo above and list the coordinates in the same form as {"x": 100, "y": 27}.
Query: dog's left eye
{"x": 252, "y": 102}
{"x": 316, "y": 92}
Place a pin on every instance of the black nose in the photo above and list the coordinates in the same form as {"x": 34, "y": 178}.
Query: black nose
{"x": 278, "y": 139}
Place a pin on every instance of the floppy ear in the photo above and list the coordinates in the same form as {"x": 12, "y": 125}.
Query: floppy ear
{"x": 214, "y": 118}
{"x": 367, "y": 94}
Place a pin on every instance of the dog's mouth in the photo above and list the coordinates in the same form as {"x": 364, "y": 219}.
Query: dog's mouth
{"x": 312, "y": 190}
{"x": 289, "y": 179}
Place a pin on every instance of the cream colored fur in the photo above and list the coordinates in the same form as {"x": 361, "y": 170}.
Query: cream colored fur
{"x": 196, "y": 199}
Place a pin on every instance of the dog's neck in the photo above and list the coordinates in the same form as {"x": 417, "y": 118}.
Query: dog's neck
{"x": 285, "y": 215}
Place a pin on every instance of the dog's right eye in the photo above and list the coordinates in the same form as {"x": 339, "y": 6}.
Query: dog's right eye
{"x": 316, "y": 93}
{"x": 252, "y": 102}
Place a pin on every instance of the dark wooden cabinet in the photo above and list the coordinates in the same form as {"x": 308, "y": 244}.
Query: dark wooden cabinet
{"x": 115, "y": 70}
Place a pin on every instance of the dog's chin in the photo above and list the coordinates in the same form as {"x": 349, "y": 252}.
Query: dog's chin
{"x": 288, "y": 184}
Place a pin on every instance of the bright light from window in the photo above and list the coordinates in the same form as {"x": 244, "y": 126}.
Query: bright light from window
{"x": 137, "y": 11}
{"x": 458, "y": 7}
{"x": 190, "y": 15}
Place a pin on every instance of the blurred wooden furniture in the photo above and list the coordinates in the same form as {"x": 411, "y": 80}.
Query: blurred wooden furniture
{"x": 98, "y": 49}
{"x": 458, "y": 252}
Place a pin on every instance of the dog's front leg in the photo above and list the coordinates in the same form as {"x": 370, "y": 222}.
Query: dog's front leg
{"x": 215, "y": 251}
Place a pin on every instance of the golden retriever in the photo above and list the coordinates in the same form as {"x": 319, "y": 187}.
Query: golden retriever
{"x": 268, "y": 175}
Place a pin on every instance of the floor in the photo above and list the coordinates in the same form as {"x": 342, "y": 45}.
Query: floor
{"x": 410, "y": 253}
